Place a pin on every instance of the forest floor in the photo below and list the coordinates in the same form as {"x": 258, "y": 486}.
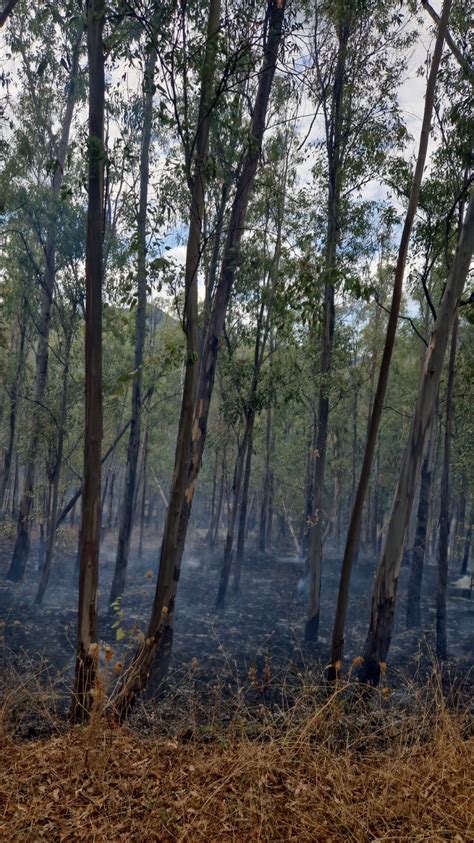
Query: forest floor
{"x": 250, "y": 745}
{"x": 251, "y": 654}
{"x": 343, "y": 770}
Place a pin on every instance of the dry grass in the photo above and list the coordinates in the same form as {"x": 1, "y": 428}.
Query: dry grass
{"x": 343, "y": 768}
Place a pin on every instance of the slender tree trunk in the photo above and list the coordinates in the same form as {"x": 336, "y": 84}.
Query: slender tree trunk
{"x": 144, "y": 490}
{"x": 13, "y": 407}
{"x": 41, "y": 546}
{"x": 105, "y": 488}
{"x": 333, "y": 143}
{"x": 215, "y": 534}
{"x": 17, "y": 568}
{"x": 385, "y": 587}
{"x": 418, "y": 556}
{"x": 229, "y": 542}
{"x": 87, "y": 649}
{"x": 354, "y": 429}
{"x": 251, "y": 516}
{"x": 271, "y": 495}
{"x": 441, "y": 594}
{"x": 376, "y": 503}
{"x": 460, "y": 525}
{"x": 212, "y": 514}
{"x": 214, "y": 265}
{"x": 467, "y": 543}
{"x": 53, "y": 509}
{"x": 452, "y": 533}
{"x": 352, "y": 540}
{"x": 309, "y": 488}
{"x": 239, "y": 556}
{"x": 119, "y": 496}
{"x": 338, "y": 490}
{"x": 123, "y": 548}
{"x": 194, "y": 416}
{"x": 16, "y": 486}
{"x": 262, "y": 333}
{"x": 263, "y": 526}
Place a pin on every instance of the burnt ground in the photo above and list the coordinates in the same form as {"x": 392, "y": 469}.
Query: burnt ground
{"x": 249, "y": 657}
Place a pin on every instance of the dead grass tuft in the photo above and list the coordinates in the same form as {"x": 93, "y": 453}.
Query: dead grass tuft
{"x": 344, "y": 768}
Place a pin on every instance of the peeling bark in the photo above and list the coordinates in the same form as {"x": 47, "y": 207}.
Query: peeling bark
{"x": 87, "y": 647}
{"x": 386, "y": 581}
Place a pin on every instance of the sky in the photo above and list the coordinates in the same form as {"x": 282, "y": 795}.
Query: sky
{"x": 411, "y": 97}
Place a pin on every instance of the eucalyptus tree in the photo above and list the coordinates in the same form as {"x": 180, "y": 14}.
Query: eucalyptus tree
{"x": 123, "y": 547}
{"x": 257, "y": 287}
{"x": 379, "y": 636}
{"x": 463, "y": 442}
{"x": 356, "y": 92}
{"x": 432, "y": 234}
{"x": 18, "y": 312}
{"x": 67, "y": 304}
{"x": 199, "y": 383}
{"x": 356, "y": 518}
{"x": 441, "y": 593}
{"x": 87, "y": 648}
{"x": 36, "y": 40}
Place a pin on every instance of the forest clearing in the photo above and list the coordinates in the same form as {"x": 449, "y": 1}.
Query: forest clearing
{"x": 236, "y": 428}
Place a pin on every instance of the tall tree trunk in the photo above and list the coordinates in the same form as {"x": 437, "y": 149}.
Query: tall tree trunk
{"x": 261, "y": 337}
{"x": 458, "y": 542}
{"x": 194, "y": 415}
{"x": 123, "y": 547}
{"x": 212, "y": 513}
{"x": 467, "y": 543}
{"x": 216, "y": 249}
{"x": 239, "y": 556}
{"x": 87, "y": 649}
{"x": 110, "y": 512}
{"x": 309, "y": 486}
{"x": 355, "y": 396}
{"x": 352, "y": 541}
{"x": 333, "y": 143}
{"x": 56, "y": 475}
{"x": 229, "y": 541}
{"x": 7, "y": 461}
{"x": 144, "y": 491}
{"x": 385, "y": 586}
{"x": 441, "y": 594}
{"x": 215, "y": 534}
{"x": 271, "y": 498}
{"x": 16, "y": 486}
{"x": 376, "y": 503}
{"x": 418, "y": 556}
{"x": 263, "y": 526}
{"x": 17, "y": 568}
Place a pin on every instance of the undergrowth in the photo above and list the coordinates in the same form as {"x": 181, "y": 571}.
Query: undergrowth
{"x": 334, "y": 766}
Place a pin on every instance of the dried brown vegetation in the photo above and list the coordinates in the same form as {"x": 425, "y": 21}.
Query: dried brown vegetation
{"x": 342, "y": 768}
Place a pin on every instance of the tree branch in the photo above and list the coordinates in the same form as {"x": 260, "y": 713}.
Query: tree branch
{"x": 6, "y": 11}
{"x": 464, "y": 62}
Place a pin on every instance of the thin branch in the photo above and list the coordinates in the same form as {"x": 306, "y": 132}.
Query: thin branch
{"x": 401, "y": 316}
{"x": 461, "y": 59}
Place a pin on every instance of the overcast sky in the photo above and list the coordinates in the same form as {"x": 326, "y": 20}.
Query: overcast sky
{"x": 411, "y": 96}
